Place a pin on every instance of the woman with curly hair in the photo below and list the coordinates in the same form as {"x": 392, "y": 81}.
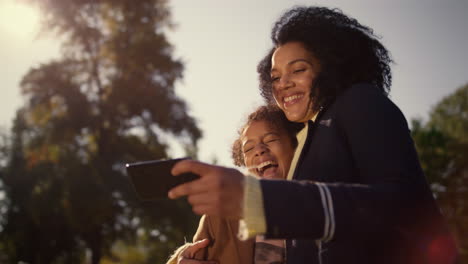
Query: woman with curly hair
{"x": 328, "y": 71}
{"x": 265, "y": 146}
{"x": 358, "y": 193}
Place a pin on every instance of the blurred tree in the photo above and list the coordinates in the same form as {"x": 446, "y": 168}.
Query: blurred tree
{"x": 450, "y": 116}
{"x": 108, "y": 101}
{"x": 442, "y": 144}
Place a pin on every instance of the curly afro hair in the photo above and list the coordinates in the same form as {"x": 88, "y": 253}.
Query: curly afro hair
{"x": 273, "y": 116}
{"x": 347, "y": 51}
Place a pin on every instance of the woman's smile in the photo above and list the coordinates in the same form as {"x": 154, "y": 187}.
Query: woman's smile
{"x": 292, "y": 99}
{"x": 293, "y": 73}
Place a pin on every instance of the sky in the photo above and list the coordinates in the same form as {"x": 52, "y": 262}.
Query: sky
{"x": 221, "y": 42}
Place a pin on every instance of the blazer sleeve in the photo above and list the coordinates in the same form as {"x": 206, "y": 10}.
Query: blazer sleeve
{"x": 204, "y": 230}
{"x": 390, "y": 187}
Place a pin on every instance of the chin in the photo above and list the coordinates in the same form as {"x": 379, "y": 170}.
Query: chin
{"x": 295, "y": 118}
{"x": 274, "y": 177}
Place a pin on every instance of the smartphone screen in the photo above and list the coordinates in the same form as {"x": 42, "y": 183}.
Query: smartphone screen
{"x": 152, "y": 179}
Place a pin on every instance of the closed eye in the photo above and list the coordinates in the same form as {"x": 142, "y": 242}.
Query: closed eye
{"x": 271, "y": 140}
{"x": 247, "y": 150}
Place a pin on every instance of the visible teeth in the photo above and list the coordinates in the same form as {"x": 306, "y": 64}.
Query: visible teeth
{"x": 264, "y": 164}
{"x": 292, "y": 97}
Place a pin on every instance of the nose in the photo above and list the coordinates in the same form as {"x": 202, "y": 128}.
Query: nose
{"x": 284, "y": 82}
{"x": 260, "y": 149}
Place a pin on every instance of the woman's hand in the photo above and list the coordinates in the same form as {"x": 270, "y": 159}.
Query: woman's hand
{"x": 187, "y": 256}
{"x": 219, "y": 191}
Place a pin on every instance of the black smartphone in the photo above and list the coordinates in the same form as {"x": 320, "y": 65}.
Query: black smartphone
{"x": 152, "y": 179}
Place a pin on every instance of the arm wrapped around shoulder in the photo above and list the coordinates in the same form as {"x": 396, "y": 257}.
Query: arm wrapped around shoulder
{"x": 174, "y": 258}
{"x": 199, "y": 248}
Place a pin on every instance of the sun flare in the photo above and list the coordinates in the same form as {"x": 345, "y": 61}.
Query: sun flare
{"x": 18, "y": 19}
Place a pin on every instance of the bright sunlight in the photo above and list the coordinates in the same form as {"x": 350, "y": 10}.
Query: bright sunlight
{"x": 18, "y": 19}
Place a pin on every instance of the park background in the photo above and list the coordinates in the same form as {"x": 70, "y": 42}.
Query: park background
{"x": 215, "y": 48}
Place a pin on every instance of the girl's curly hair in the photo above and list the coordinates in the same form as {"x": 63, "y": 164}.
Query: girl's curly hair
{"x": 347, "y": 51}
{"x": 273, "y": 116}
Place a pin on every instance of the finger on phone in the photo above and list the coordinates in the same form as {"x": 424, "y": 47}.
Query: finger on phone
{"x": 199, "y": 198}
{"x": 189, "y": 188}
{"x": 193, "y": 166}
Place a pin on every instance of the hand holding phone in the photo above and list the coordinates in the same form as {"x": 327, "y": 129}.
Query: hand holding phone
{"x": 152, "y": 179}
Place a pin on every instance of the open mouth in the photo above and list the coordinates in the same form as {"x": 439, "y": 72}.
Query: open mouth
{"x": 266, "y": 167}
{"x": 292, "y": 99}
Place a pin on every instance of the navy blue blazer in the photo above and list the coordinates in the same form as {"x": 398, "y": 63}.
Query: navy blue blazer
{"x": 359, "y": 194}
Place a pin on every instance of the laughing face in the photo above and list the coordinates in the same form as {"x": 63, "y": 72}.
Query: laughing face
{"x": 267, "y": 151}
{"x": 293, "y": 72}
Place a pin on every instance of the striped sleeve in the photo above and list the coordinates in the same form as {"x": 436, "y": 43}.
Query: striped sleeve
{"x": 328, "y": 211}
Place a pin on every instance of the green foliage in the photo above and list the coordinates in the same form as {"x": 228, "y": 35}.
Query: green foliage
{"x": 442, "y": 145}
{"x": 451, "y": 115}
{"x": 107, "y": 101}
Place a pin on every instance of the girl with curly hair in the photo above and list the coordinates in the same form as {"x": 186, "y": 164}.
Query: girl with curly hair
{"x": 357, "y": 192}
{"x": 265, "y": 146}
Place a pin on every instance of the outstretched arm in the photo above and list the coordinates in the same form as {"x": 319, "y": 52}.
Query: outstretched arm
{"x": 219, "y": 191}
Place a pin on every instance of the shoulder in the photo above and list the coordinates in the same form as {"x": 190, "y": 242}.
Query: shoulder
{"x": 205, "y": 229}
{"x": 365, "y": 101}
{"x": 361, "y": 92}
{"x": 217, "y": 225}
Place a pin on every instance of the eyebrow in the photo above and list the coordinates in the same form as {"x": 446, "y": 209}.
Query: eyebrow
{"x": 271, "y": 133}
{"x": 264, "y": 135}
{"x": 294, "y": 61}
